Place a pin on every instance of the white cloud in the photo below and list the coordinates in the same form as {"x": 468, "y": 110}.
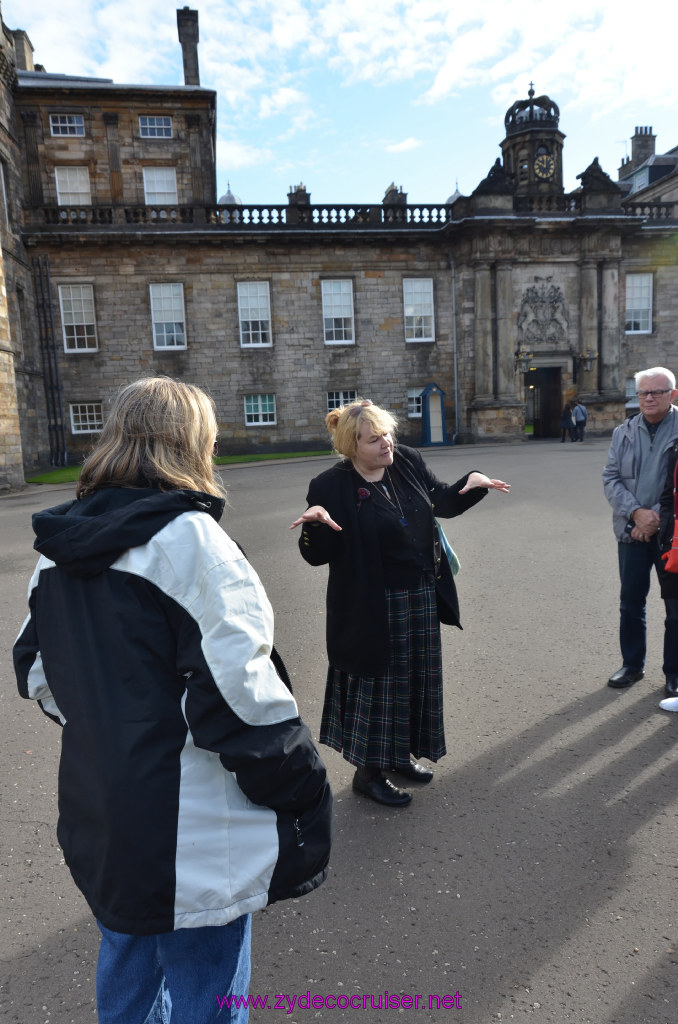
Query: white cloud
{"x": 405, "y": 146}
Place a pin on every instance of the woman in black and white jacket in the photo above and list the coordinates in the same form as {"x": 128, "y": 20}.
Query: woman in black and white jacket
{"x": 190, "y": 792}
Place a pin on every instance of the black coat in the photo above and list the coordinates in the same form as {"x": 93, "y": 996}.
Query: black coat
{"x": 668, "y": 580}
{"x": 357, "y": 626}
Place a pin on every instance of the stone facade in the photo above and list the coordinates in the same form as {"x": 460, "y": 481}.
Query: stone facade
{"x": 512, "y": 300}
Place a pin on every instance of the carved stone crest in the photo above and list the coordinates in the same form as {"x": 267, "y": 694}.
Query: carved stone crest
{"x": 543, "y": 314}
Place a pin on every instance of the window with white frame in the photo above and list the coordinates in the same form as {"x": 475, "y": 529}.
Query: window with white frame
{"x": 66, "y": 124}
{"x": 254, "y": 314}
{"x": 641, "y": 180}
{"x": 414, "y": 403}
{"x": 155, "y": 127}
{"x": 259, "y": 410}
{"x": 338, "y": 312}
{"x": 638, "y": 316}
{"x": 631, "y": 396}
{"x": 418, "y": 308}
{"x": 167, "y": 314}
{"x": 86, "y": 417}
{"x": 335, "y": 399}
{"x": 78, "y": 321}
{"x": 160, "y": 186}
{"x": 72, "y": 186}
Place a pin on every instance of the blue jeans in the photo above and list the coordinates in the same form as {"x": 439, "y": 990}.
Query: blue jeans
{"x": 175, "y": 977}
{"x": 635, "y": 570}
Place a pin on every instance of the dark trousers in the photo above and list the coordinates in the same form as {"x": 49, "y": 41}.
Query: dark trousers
{"x": 635, "y": 570}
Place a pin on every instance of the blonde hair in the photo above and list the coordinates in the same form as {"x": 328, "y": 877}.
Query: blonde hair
{"x": 160, "y": 433}
{"x": 345, "y": 423}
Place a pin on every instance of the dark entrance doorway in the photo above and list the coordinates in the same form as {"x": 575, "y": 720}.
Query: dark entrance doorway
{"x": 543, "y": 401}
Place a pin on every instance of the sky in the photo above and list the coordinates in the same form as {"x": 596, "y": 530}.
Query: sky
{"x": 349, "y": 96}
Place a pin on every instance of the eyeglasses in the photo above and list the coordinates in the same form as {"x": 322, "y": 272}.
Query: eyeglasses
{"x": 653, "y": 394}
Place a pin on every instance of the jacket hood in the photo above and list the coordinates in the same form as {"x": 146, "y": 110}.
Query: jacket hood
{"x": 85, "y": 537}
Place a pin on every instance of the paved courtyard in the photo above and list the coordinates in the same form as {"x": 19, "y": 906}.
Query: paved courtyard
{"x": 535, "y": 878}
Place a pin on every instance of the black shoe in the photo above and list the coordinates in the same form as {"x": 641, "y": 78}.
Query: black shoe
{"x": 381, "y": 790}
{"x": 625, "y": 677}
{"x": 671, "y": 688}
{"x": 416, "y": 772}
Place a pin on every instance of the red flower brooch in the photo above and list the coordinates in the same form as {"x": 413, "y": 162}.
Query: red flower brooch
{"x": 363, "y": 495}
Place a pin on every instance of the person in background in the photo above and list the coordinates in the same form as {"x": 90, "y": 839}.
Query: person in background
{"x": 190, "y": 792}
{"x": 567, "y": 424}
{"x": 634, "y": 478}
{"x": 371, "y": 517}
{"x": 580, "y": 417}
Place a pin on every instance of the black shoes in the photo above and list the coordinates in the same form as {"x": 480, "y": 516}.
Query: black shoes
{"x": 626, "y": 677}
{"x": 671, "y": 688}
{"x": 382, "y": 790}
{"x": 417, "y": 773}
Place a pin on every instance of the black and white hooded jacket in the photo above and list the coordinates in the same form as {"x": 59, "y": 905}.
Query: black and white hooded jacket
{"x": 190, "y": 792}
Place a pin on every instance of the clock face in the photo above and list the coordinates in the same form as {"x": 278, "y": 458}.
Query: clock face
{"x": 544, "y": 166}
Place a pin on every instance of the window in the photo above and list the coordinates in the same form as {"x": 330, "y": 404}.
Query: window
{"x": 254, "y": 313}
{"x": 632, "y": 403}
{"x": 86, "y": 417}
{"x": 638, "y": 315}
{"x": 77, "y": 317}
{"x": 338, "y": 312}
{"x": 641, "y": 180}
{"x": 335, "y": 399}
{"x": 259, "y": 410}
{"x": 414, "y": 403}
{"x": 160, "y": 186}
{"x": 167, "y": 313}
{"x": 67, "y": 124}
{"x": 72, "y": 185}
{"x": 151, "y": 127}
{"x": 418, "y": 309}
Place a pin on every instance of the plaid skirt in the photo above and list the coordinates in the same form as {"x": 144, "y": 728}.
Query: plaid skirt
{"x": 381, "y": 720}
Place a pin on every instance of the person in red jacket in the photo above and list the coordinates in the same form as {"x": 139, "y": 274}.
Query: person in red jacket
{"x": 372, "y": 518}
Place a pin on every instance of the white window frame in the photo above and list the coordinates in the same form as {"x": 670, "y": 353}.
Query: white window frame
{"x": 338, "y": 312}
{"x": 632, "y": 402}
{"x": 254, "y": 314}
{"x": 168, "y": 316}
{"x": 257, "y": 408}
{"x": 155, "y": 126}
{"x": 641, "y": 179}
{"x": 78, "y": 318}
{"x": 414, "y": 403}
{"x": 341, "y": 396}
{"x": 91, "y": 414}
{"x": 68, "y": 125}
{"x": 418, "y": 309}
{"x": 162, "y": 191}
{"x": 72, "y": 186}
{"x": 638, "y": 304}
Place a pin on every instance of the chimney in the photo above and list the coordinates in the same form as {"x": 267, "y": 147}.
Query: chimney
{"x": 187, "y": 24}
{"x": 642, "y": 146}
{"x": 23, "y": 49}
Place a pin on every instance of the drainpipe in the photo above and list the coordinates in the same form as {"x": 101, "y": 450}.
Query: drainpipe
{"x": 454, "y": 350}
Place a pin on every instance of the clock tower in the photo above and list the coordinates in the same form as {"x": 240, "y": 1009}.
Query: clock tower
{"x": 533, "y": 147}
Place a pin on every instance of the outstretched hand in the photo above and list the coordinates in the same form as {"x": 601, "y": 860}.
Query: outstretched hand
{"x": 480, "y": 480}
{"x": 316, "y": 514}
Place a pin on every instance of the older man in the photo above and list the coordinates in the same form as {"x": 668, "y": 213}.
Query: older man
{"x": 634, "y": 479}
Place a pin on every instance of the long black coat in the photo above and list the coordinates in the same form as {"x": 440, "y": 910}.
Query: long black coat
{"x": 357, "y": 626}
{"x": 668, "y": 580}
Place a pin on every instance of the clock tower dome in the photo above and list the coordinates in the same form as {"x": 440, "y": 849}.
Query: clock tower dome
{"x": 533, "y": 147}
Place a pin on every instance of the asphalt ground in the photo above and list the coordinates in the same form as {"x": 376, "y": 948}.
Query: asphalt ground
{"x": 535, "y": 877}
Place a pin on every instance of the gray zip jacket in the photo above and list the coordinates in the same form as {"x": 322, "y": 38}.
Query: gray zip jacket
{"x": 621, "y": 469}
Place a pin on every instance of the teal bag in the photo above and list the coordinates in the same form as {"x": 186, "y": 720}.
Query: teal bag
{"x": 448, "y": 551}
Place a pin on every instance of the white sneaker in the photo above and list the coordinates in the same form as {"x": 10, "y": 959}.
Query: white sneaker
{"x": 669, "y": 704}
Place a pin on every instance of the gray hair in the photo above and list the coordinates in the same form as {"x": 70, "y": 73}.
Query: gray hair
{"x": 656, "y": 371}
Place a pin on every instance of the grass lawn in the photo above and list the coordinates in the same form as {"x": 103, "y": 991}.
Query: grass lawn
{"x": 69, "y": 474}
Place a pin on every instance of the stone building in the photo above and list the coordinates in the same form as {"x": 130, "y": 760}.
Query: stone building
{"x": 121, "y": 262}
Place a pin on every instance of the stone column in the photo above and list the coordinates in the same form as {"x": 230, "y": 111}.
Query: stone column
{"x": 111, "y": 123}
{"x": 588, "y": 322}
{"x": 506, "y": 371}
{"x": 31, "y": 125}
{"x": 193, "y": 122}
{"x": 11, "y": 455}
{"x": 484, "y": 384}
{"x": 609, "y": 357}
